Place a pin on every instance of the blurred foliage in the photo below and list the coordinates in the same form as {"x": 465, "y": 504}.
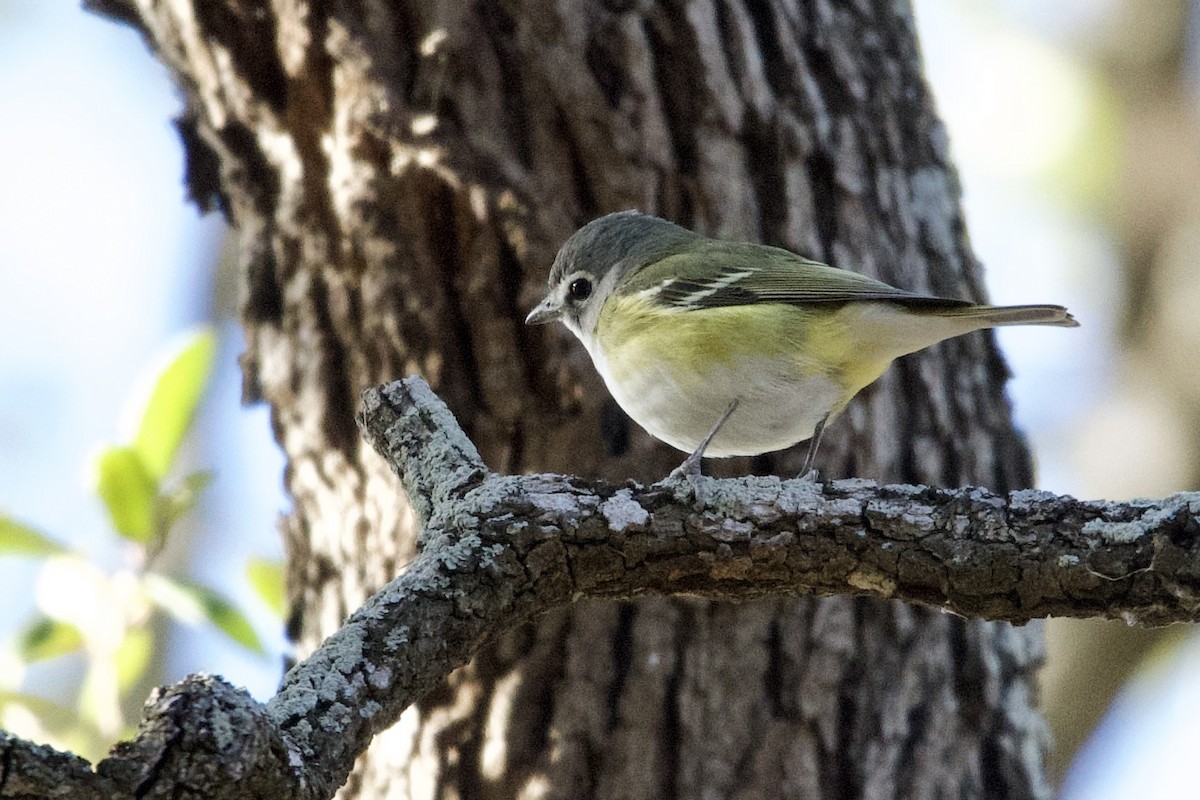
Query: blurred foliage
{"x": 266, "y": 578}
{"x": 108, "y": 619}
{"x": 18, "y": 539}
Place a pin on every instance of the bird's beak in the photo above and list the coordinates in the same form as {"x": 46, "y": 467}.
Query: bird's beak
{"x": 546, "y": 311}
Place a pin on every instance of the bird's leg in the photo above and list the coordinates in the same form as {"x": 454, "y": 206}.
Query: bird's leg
{"x": 690, "y": 468}
{"x": 807, "y": 473}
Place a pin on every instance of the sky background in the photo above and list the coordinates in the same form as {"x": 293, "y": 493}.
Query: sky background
{"x": 103, "y": 264}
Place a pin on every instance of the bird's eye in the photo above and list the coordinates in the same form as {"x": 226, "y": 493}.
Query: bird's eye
{"x": 580, "y": 289}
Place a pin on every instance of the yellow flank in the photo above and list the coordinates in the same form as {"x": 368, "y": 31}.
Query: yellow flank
{"x": 637, "y": 336}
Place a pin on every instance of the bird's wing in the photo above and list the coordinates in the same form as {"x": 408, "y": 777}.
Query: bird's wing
{"x": 732, "y": 274}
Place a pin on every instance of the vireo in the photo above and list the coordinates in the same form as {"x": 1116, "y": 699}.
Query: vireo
{"x": 734, "y": 349}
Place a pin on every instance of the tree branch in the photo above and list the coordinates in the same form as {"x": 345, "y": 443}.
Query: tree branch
{"x": 498, "y": 550}
{"x": 1017, "y": 557}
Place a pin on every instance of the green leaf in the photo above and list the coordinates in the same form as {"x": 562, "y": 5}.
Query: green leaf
{"x": 172, "y": 402}
{"x": 191, "y": 603}
{"x": 133, "y": 657}
{"x": 266, "y": 578}
{"x": 47, "y": 638}
{"x": 128, "y": 490}
{"x": 19, "y": 539}
{"x": 48, "y": 712}
{"x": 181, "y": 498}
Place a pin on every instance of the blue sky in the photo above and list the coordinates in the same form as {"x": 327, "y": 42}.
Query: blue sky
{"x": 102, "y": 264}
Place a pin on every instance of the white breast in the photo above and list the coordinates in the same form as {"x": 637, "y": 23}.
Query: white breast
{"x": 776, "y": 408}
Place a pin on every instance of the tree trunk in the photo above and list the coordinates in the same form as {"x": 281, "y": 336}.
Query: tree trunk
{"x": 400, "y": 175}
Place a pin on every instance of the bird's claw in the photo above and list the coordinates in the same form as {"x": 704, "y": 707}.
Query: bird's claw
{"x": 686, "y": 475}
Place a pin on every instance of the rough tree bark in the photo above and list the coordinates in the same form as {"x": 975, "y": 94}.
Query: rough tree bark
{"x": 400, "y": 175}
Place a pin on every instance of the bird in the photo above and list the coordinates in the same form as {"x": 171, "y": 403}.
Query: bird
{"x": 723, "y": 348}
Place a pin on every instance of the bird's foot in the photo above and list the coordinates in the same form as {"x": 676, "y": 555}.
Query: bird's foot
{"x": 689, "y": 470}
{"x": 686, "y": 479}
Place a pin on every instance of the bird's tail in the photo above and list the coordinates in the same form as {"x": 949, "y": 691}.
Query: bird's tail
{"x": 996, "y": 316}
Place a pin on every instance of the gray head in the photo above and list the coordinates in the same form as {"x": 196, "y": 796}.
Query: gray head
{"x": 595, "y": 260}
